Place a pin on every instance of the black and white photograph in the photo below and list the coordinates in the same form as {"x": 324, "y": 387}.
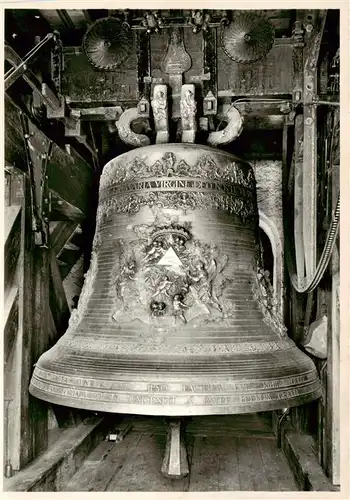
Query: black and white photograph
{"x": 171, "y": 249}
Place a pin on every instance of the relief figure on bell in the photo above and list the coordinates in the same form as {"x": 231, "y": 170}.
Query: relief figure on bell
{"x": 154, "y": 252}
{"x": 162, "y": 287}
{"x": 179, "y": 307}
{"x": 127, "y": 273}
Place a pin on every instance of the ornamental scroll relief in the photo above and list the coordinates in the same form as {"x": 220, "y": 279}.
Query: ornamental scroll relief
{"x": 167, "y": 277}
{"x": 264, "y": 296}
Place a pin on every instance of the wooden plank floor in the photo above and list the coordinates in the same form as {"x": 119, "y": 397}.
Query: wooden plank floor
{"x": 226, "y": 453}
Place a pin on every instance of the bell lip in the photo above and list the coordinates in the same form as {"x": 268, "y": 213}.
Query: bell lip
{"x": 181, "y": 410}
{"x": 168, "y": 147}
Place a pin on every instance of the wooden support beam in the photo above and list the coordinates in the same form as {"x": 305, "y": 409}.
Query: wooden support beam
{"x": 210, "y": 61}
{"x": 12, "y": 245}
{"x": 144, "y": 65}
{"x": 63, "y": 210}
{"x": 29, "y": 77}
{"x": 298, "y": 64}
{"x": 87, "y": 17}
{"x": 10, "y": 321}
{"x": 66, "y": 19}
{"x": 11, "y": 221}
{"x": 99, "y": 114}
{"x": 264, "y": 109}
{"x": 311, "y": 54}
{"x": 70, "y": 256}
{"x": 60, "y": 236}
{"x": 53, "y": 17}
{"x": 27, "y": 433}
{"x": 39, "y": 344}
{"x": 58, "y": 300}
{"x": 51, "y": 99}
{"x": 175, "y": 461}
{"x": 298, "y": 449}
{"x": 298, "y": 198}
{"x": 18, "y": 69}
{"x": 66, "y": 417}
{"x": 79, "y": 18}
{"x": 67, "y": 261}
{"x": 53, "y": 470}
{"x": 334, "y": 358}
{"x": 52, "y": 330}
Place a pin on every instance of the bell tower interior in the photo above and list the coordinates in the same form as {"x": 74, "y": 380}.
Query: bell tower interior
{"x": 172, "y": 250}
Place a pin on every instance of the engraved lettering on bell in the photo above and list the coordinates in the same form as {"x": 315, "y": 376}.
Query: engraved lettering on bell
{"x": 176, "y": 316}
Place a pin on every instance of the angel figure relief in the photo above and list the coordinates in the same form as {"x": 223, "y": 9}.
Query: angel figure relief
{"x": 207, "y": 281}
{"x": 125, "y": 282}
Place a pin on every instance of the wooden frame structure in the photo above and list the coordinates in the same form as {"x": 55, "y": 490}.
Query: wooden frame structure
{"x": 50, "y": 208}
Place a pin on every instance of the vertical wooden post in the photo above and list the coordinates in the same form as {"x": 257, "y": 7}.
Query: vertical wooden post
{"x": 27, "y": 429}
{"x": 332, "y": 434}
{"x": 332, "y": 431}
{"x": 309, "y": 174}
{"x": 39, "y": 409}
{"x": 298, "y": 197}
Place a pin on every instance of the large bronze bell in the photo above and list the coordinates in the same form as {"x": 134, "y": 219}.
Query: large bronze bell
{"x": 175, "y": 318}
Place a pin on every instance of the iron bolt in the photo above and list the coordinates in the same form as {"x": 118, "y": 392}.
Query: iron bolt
{"x": 309, "y": 28}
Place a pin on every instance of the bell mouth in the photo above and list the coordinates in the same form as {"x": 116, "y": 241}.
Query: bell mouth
{"x": 174, "y": 386}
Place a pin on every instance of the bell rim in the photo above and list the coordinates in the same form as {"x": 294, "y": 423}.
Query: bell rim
{"x": 183, "y": 410}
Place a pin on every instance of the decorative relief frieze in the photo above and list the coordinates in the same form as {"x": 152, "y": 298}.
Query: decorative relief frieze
{"x": 148, "y": 346}
{"x": 117, "y": 171}
{"x": 178, "y": 200}
{"x": 172, "y": 183}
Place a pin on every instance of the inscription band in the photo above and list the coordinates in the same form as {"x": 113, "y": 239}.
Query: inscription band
{"x": 164, "y": 400}
{"x": 177, "y": 184}
{"x": 171, "y": 387}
